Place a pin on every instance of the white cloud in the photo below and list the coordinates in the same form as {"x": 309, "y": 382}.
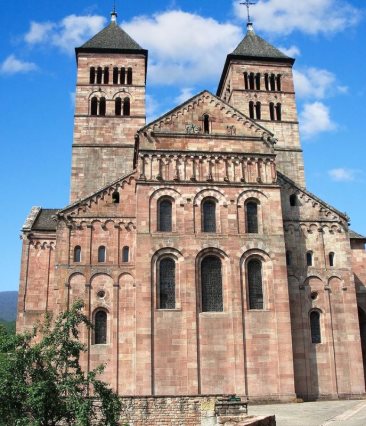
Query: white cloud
{"x": 291, "y": 51}
{"x": 310, "y": 16}
{"x": 316, "y": 83}
{"x": 13, "y": 65}
{"x": 70, "y": 32}
{"x": 185, "y": 94}
{"x": 184, "y": 48}
{"x": 314, "y": 119}
{"x": 343, "y": 174}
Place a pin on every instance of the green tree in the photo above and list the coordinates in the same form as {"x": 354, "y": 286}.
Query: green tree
{"x": 41, "y": 381}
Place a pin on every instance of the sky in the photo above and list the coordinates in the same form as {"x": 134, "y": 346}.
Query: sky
{"x": 188, "y": 41}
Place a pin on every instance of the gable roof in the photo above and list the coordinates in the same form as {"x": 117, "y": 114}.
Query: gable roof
{"x": 41, "y": 220}
{"x": 355, "y": 236}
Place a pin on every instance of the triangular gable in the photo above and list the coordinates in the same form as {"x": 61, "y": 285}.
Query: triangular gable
{"x": 227, "y": 120}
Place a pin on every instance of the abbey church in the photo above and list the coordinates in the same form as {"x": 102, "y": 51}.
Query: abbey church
{"x": 204, "y": 263}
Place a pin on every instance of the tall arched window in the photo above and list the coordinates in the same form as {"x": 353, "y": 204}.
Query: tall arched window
{"x": 126, "y": 106}
{"x": 106, "y": 75}
{"x": 309, "y": 258}
{"x": 165, "y": 209}
{"x": 211, "y": 284}
{"x": 315, "y": 327}
{"x": 167, "y": 284}
{"x": 206, "y": 124}
{"x": 251, "y": 210}
{"x": 115, "y": 75}
{"x": 272, "y": 111}
{"x": 288, "y": 258}
{"x": 118, "y": 106}
{"x": 102, "y": 107}
{"x": 266, "y": 81}
{"x": 129, "y": 76}
{"x": 279, "y": 82}
{"x": 94, "y": 106}
{"x": 123, "y": 75}
{"x": 209, "y": 216}
{"x": 92, "y": 75}
{"x": 258, "y": 111}
{"x": 101, "y": 254}
{"x": 100, "y": 328}
{"x": 273, "y": 82}
{"x": 255, "y": 285}
{"x": 77, "y": 254}
{"x": 279, "y": 112}
{"x": 99, "y": 75}
{"x": 251, "y": 81}
{"x": 246, "y": 85}
{"x": 125, "y": 254}
{"x": 251, "y": 110}
{"x": 258, "y": 81}
{"x": 331, "y": 259}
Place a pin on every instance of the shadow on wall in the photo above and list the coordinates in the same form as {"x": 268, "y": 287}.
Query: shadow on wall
{"x": 362, "y": 320}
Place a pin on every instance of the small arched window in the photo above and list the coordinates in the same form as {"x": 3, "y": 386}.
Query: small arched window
{"x": 266, "y": 81}
{"x": 315, "y": 327}
{"x": 92, "y": 75}
{"x": 118, "y": 106}
{"x": 165, "y": 209}
{"x": 279, "y": 112}
{"x": 251, "y": 81}
{"x": 102, "y": 107}
{"x": 273, "y": 82}
{"x": 167, "y": 284}
{"x": 115, "y": 75}
{"x": 126, "y": 107}
{"x": 272, "y": 111}
{"x": 331, "y": 259}
{"x": 288, "y": 258}
{"x": 100, "y": 328}
{"x": 293, "y": 200}
{"x": 115, "y": 197}
{"x": 99, "y": 75}
{"x": 258, "y": 81}
{"x": 209, "y": 216}
{"x": 258, "y": 110}
{"x": 125, "y": 254}
{"x": 255, "y": 284}
{"x": 251, "y": 110}
{"x": 101, "y": 254}
{"x": 206, "y": 124}
{"x": 279, "y": 82}
{"x": 106, "y": 75}
{"x": 251, "y": 210}
{"x": 129, "y": 76}
{"x": 309, "y": 258}
{"x": 211, "y": 284}
{"x": 94, "y": 106}
{"x": 77, "y": 254}
{"x": 123, "y": 75}
{"x": 246, "y": 85}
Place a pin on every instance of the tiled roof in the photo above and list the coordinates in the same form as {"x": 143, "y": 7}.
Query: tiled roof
{"x": 44, "y": 220}
{"x": 354, "y": 236}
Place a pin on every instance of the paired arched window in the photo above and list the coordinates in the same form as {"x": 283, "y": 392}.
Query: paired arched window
{"x": 288, "y": 258}
{"x": 77, "y": 254}
{"x": 309, "y": 258}
{"x": 125, "y": 254}
{"x": 315, "y": 327}
{"x": 165, "y": 209}
{"x": 126, "y": 106}
{"x": 331, "y": 259}
{"x": 251, "y": 212}
{"x": 118, "y": 106}
{"x": 275, "y": 111}
{"x": 211, "y": 284}
{"x": 100, "y": 327}
{"x": 255, "y": 110}
{"x": 167, "y": 284}
{"x": 102, "y": 254}
{"x": 206, "y": 124}
{"x": 255, "y": 284}
{"x": 273, "y": 82}
{"x": 209, "y": 215}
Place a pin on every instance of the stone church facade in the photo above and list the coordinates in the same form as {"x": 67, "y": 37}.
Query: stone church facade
{"x": 203, "y": 261}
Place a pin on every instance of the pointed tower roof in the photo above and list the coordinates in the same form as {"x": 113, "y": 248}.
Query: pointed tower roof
{"x": 111, "y": 39}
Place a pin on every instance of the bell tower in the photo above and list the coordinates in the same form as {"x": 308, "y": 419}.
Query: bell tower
{"x": 109, "y": 108}
{"x": 257, "y": 80}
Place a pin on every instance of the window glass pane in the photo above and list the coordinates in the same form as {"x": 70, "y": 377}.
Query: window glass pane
{"x": 101, "y": 254}
{"x": 315, "y": 327}
{"x": 209, "y": 216}
{"x": 125, "y": 254}
{"x": 255, "y": 284}
{"x": 167, "y": 284}
{"x": 100, "y": 328}
{"x": 165, "y": 216}
{"x": 77, "y": 254}
{"x": 211, "y": 283}
{"x": 252, "y": 218}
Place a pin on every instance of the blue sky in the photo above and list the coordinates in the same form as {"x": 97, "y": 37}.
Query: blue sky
{"x": 188, "y": 42}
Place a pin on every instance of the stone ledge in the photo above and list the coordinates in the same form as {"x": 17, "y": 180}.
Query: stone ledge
{"x": 246, "y": 421}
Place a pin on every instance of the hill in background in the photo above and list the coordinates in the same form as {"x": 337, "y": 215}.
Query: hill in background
{"x": 8, "y": 305}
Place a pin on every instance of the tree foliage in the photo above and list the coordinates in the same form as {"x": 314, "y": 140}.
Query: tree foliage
{"x": 41, "y": 381}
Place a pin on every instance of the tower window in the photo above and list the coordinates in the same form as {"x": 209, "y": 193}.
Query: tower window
{"x": 106, "y": 75}
{"x": 279, "y": 112}
{"x": 258, "y": 111}
{"x": 251, "y": 110}
{"x": 167, "y": 284}
{"x": 102, "y": 107}
{"x": 309, "y": 258}
{"x": 115, "y": 197}
{"x": 115, "y": 75}
{"x": 129, "y": 76}
{"x": 266, "y": 81}
{"x": 92, "y": 75}
{"x": 288, "y": 258}
{"x": 315, "y": 327}
{"x": 293, "y": 200}
{"x": 206, "y": 124}
{"x": 118, "y": 106}
{"x": 100, "y": 328}
{"x": 125, "y": 254}
{"x": 273, "y": 82}
{"x": 246, "y": 85}
{"x": 101, "y": 254}
{"x": 165, "y": 216}
{"x": 94, "y": 106}
{"x": 99, "y": 75}
{"x": 123, "y": 75}
{"x": 331, "y": 259}
{"x": 251, "y": 81}
{"x": 126, "y": 107}
{"x": 211, "y": 284}
{"x": 272, "y": 111}
{"x": 255, "y": 285}
{"x": 258, "y": 81}
{"x": 279, "y": 82}
{"x": 209, "y": 216}
{"x": 252, "y": 217}
{"x": 77, "y": 254}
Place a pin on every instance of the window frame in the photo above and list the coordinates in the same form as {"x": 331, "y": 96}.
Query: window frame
{"x": 104, "y": 254}
{"x": 250, "y": 292}
{"x": 160, "y": 201}
{"x": 96, "y": 312}
{"x": 257, "y": 203}
{"x": 126, "y": 249}
{"x": 158, "y": 282}
{"x": 77, "y": 249}
{"x": 214, "y": 202}
{"x": 221, "y": 305}
{"x": 313, "y": 336}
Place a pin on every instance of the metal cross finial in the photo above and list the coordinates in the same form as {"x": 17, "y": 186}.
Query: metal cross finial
{"x": 248, "y": 3}
{"x": 114, "y": 13}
